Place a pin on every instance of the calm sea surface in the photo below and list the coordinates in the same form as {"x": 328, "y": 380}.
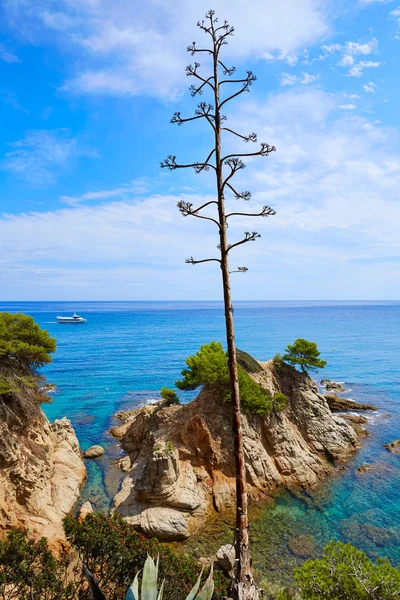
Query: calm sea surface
{"x": 127, "y": 351}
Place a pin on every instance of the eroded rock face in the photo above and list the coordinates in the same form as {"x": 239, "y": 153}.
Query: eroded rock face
{"x": 41, "y": 473}
{"x": 182, "y": 455}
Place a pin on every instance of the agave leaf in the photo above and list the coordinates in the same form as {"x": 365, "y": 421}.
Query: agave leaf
{"x": 133, "y": 592}
{"x": 160, "y": 593}
{"x": 149, "y": 580}
{"x": 96, "y": 592}
{"x": 157, "y": 565}
{"x": 208, "y": 588}
{"x": 195, "y": 588}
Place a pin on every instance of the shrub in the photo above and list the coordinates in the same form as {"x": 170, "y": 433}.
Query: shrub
{"x": 114, "y": 552}
{"x": 210, "y": 366}
{"x": 305, "y": 354}
{"x": 347, "y": 573}
{"x": 247, "y": 362}
{"x": 169, "y": 395}
{"x": 29, "y": 570}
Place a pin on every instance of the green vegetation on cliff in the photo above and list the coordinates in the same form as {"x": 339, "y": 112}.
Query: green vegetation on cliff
{"x": 209, "y": 366}
{"x": 304, "y": 354}
{"x": 24, "y": 348}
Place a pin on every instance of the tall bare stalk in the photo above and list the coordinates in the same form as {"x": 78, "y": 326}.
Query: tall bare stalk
{"x": 225, "y": 167}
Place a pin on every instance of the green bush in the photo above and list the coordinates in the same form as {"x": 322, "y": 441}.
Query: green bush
{"x": 29, "y": 570}
{"x": 305, "y": 354}
{"x": 210, "y": 366}
{"x": 114, "y": 552}
{"x": 169, "y": 395}
{"x": 346, "y": 573}
{"x": 247, "y": 362}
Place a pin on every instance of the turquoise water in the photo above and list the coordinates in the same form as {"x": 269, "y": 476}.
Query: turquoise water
{"x": 127, "y": 351}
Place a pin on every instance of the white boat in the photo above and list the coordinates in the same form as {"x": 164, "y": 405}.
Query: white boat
{"x": 74, "y": 319}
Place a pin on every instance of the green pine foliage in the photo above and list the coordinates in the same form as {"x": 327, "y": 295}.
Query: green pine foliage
{"x": 304, "y": 354}
{"x": 169, "y": 395}
{"x": 24, "y": 348}
{"x": 209, "y": 366}
{"x": 346, "y": 573}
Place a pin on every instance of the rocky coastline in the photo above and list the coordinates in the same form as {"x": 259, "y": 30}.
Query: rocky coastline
{"x": 41, "y": 475}
{"x": 179, "y": 461}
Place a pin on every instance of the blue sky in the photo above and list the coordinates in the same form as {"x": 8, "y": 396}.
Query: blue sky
{"x": 87, "y": 90}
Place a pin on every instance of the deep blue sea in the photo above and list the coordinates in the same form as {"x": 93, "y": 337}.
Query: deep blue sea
{"x": 127, "y": 351}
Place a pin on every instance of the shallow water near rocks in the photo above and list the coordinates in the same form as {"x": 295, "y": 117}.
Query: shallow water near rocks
{"x": 127, "y": 351}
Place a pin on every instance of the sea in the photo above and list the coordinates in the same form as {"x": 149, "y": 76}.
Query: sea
{"x": 127, "y": 351}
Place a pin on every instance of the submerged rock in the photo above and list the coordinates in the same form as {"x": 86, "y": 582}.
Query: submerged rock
{"x": 363, "y": 469}
{"x": 94, "y": 452}
{"x": 182, "y": 455}
{"x": 41, "y": 473}
{"x": 302, "y": 546}
{"x": 393, "y": 447}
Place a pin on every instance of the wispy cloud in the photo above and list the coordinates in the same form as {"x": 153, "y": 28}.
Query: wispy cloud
{"x": 136, "y": 187}
{"x": 128, "y": 49}
{"x": 7, "y": 56}
{"x": 350, "y": 51}
{"x": 41, "y": 154}
{"x": 304, "y": 79}
{"x": 358, "y": 69}
{"x": 369, "y": 87}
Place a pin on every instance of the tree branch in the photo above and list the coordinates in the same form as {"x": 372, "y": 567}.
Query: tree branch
{"x": 191, "y": 261}
{"x": 227, "y": 70}
{"x": 246, "y": 195}
{"x": 267, "y": 211}
{"x": 191, "y": 71}
{"x": 247, "y": 83}
{"x": 248, "y": 237}
{"x": 186, "y": 209}
{"x": 264, "y": 151}
{"x": 171, "y": 164}
{"x": 240, "y": 270}
{"x": 252, "y": 137}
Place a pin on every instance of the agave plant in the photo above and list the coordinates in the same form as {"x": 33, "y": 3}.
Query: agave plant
{"x": 149, "y": 585}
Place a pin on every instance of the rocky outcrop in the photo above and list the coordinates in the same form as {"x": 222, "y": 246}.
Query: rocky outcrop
{"x": 338, "y": 404}
{"x": 182, "y": 455}
{"x": 41, "y": 473}
{"x": 393, "y": 447}
{"x": 332, "y": 385}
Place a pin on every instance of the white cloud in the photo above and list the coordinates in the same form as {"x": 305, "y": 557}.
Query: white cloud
{"x": 8, "y": 57}
{"x": 347, "y": 106}
{"x": 334, "y": 182}
{"x": 369, "y": 87}
{"x": 304, "y": 79}
{"x": 41, "y": 154}
{"x": 358, "y": 69}
{"x": 125, "y": 191}
{"x": 129, "y": 48}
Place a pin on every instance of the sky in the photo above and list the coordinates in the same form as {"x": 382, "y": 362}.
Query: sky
{"x": 87, "y": 91}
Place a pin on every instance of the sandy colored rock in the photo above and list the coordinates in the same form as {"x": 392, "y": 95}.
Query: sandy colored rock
{"x": 363, "y": 469}
{"x": 226, "y": 557}
{"x": 332, "y": 385}
{"x": 182, "y": 455}
{"x": 41, "y": 473}
{"x": 124, "y": 463}
{"x": 393, "y": 447}
{"x": 85, "y": 510}
{"x": 93, "y": 452}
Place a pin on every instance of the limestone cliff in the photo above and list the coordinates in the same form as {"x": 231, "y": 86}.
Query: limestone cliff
{"x": 41, "y": 473}
{"x": 182, "y": 465}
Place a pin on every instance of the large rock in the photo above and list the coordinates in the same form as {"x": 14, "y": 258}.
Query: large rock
{"x": 332, "y": 385}
{"x": 93, "y": 452}
{"x": 41, "y": 473}
{"x": 182, "y": 455}
{"x": 338, "y": 404}
{"x": 226, "y": 557}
